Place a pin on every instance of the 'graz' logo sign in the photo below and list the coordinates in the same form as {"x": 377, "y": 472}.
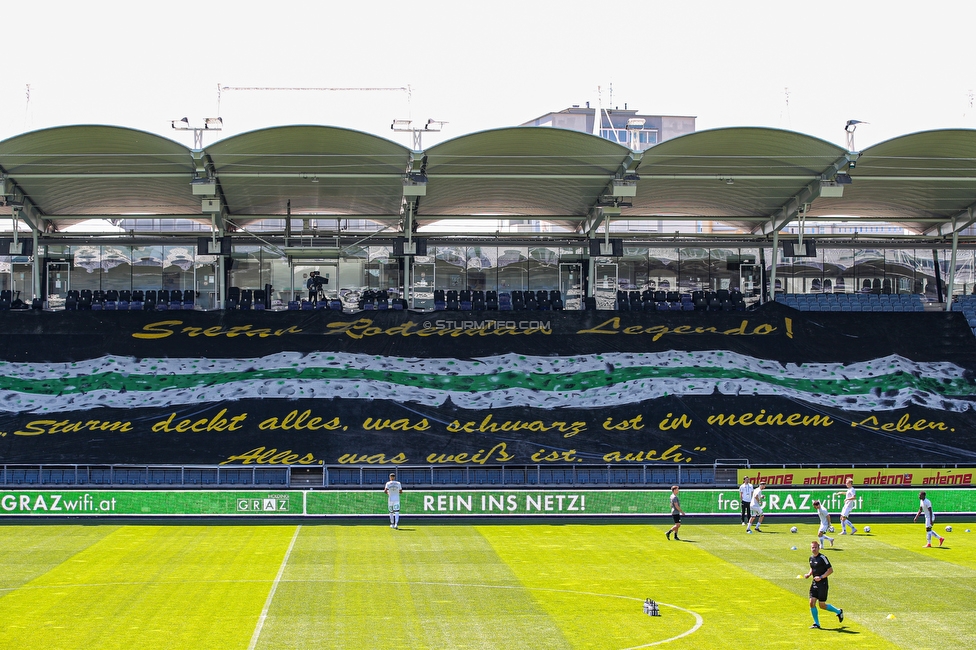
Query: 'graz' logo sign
{"x": 270, "y": 503}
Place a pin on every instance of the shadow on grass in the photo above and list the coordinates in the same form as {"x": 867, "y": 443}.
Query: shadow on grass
{"x": 843, "y": 629}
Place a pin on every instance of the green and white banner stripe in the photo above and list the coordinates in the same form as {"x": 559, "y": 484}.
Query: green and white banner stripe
{"x": 509, "y": 380}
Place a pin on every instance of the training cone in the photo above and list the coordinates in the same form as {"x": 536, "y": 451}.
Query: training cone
{"x": 792, "y": 548}
{"x": 890, "y": 617}
{"x": 799, "y": 577}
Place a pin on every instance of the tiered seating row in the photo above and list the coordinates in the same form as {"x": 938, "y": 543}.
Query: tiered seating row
{"x": 647, "y": 300}
{"x": 967, "y": 305}
{"x": 137, "y": 300}
{"x": 852, "y": 301}
{"x": 143, "y": 476}
{"x": 476, "y": 300}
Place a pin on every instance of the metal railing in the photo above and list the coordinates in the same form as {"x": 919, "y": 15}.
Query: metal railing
{"x": 85, "y": 476}
{"x": 722, "y": 473}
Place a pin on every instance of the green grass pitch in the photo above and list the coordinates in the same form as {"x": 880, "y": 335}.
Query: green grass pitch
{"x": 457, "y": 584}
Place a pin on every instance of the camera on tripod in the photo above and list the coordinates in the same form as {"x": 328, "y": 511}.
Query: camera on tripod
{"x": 316, "y": 287}
{"x": 316, "y": 281}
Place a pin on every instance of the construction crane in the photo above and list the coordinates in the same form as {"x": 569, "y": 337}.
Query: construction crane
{"x": 398, "y": 125}
{"x": 222, "y": 89}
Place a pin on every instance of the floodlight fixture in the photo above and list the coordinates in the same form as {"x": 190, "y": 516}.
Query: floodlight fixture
{"x": 622, "y": 188}
{"x": 209, "y": 124}
{"x": 406, "y": 126}
{"x": 204, "y": 186}
{"x": 831, "y": 189}
{"x": 415, "y": 185}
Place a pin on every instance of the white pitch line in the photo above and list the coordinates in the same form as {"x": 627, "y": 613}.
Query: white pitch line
{"x": 274, "y": 587}
{"x": 699, "y": 621}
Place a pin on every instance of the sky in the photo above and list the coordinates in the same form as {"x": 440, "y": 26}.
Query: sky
{"x": 899, "y": 67}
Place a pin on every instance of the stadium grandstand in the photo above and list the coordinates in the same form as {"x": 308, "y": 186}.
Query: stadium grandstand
{"x": 314, "y": 307}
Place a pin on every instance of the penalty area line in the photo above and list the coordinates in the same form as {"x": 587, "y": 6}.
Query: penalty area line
{"x": 274, "y": 587}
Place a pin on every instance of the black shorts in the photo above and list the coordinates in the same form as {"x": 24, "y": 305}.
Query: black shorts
{"x": 818, "y": 590}
{"x": 676, "y": 516}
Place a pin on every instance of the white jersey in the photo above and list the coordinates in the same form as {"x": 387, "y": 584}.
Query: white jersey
{"x": 757, "y": 498}
{"x": 745, "y": 492}
{"x": 393, "y": 488}
{"x": 824, "y": 517}
{"x": 849, "y": 498}
{"x": 926, "y": 507}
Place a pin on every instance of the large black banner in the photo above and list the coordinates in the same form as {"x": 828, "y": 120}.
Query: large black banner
{"x": 465, "y": 388}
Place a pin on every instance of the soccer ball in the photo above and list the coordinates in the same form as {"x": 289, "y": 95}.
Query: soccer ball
{"x": 867, "y": 529}
{"x": 948, "y": 529}
{"x": 830, "y": 529}
{"x": 793, "y": 530}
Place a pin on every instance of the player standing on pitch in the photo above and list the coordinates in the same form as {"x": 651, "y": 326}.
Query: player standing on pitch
{"x": 393, "y": 488}
{"x": 676, "y": 513}
{"x": 820, "y": 569}
{"x": 925, "y": 507}
{"x": 850, "y": 496}
{"x": 756, "y": 507}
{"x": 821, "y": 511}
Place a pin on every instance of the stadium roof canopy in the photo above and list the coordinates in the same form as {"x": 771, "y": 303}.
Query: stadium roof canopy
{"x": 749, "y": 181}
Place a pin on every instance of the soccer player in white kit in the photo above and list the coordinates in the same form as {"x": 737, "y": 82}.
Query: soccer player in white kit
{"x": 824, "y": 515}
{"x": 393, "y": 488}
{"x": 850, "y": 496}
{"x": 925, "y": 507}
{"x": 756, "y": 506}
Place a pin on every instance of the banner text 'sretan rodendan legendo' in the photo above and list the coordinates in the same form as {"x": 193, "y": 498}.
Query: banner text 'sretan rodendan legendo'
{"x": 487, "y": 388}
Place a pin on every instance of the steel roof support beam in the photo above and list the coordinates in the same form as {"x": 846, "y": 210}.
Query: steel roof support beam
{"x": 623, "y": 185}
{"x": 592, "y": 222}
{"x": 726, "y": 177}
{"x": 788, "y": 212}
{"x": 22, "y": 205}
{"x": 96, "y": 176}
{"x": 807, "y": 195}
{"x": 952, "y": 270}
{"x": 958, "y": 223}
